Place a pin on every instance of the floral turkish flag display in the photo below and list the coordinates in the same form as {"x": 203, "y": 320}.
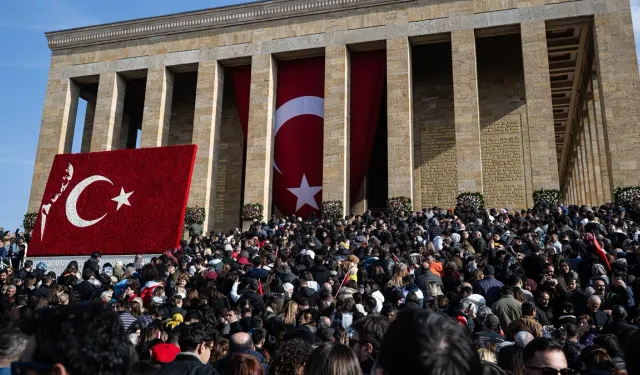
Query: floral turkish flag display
{"x": 298, "y": 128}
{"x": 116, "y": 202}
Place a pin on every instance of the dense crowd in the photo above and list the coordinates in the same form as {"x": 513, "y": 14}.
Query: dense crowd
{"x": 541, "y": 291}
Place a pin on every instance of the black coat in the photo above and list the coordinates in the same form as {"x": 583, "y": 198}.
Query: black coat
{"x": 320, "y": 273}
{"x": 85, "y": 290}
{"x": 427, "y": 277}
{"x": 388, "y": 265}
{"x": 256, "y": 300}
{"x": 186, "y": 364}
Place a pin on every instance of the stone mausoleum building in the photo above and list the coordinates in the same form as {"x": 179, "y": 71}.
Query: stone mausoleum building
{"x": 502, "y": 97}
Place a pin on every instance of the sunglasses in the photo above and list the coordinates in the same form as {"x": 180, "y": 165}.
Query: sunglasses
{"x": 553, "y": 371}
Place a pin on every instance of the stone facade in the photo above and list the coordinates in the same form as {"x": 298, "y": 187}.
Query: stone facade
{"x": 434, "y": 125}
{"x": 503, "y": 121}
{"x": 463, "y": 117}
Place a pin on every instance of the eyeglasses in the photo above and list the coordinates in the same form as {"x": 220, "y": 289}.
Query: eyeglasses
{"x": 553, "y": 371}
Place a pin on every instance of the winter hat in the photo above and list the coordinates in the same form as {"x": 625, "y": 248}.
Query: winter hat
{"x": 489, "y": 270}
{"x": 310, "y": 253}
{"x": 41, "y": 266}
{"x": 288, "y": 287}
{"x": 107, "y": 271}
{"x": 598, "y": 270}
{"x": 164, "y": 353}
{"x": 211, "y": 275}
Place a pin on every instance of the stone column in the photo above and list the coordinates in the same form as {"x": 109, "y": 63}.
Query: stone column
{"x": 593, "y": 158}
{"x": 586, "y": 147}
{"x": 544, "y": 162}
{"x": 206, "y": 135}
{"x": 124, "y": 132}
{"x": 466, "y": 112}
{"x": 56, "y": 133}
{"x": 399, "y": 119}
{"x": 571, "y": 194}
{"x": 572, "y": 185}
{"x": 595, "y": 115}
{"x": 582, "y": 167}
{"x": 259, "y": 162}
{"x": 109, "y": 109}
{"x": 156, "y": 117}
{"x": 87, "y": 130}
{"x": 619, "y": 98}
{"x": 335, "y": 172}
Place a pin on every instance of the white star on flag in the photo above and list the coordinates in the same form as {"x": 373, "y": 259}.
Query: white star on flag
{"x": 123, "y": 198}
{"x": 305, "y": 194}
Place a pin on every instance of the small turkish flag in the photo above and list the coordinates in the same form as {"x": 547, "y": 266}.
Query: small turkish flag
{"x": 116, "y": 202}
{"x": 299, "y": 134}
{"x": 591, "y": 239}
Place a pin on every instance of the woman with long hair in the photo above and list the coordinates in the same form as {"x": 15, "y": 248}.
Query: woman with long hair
{"x": 69, "y": 275}
{"x": 286, "y": 321}
{"x": 398, "y": 276}
{"x": 332, "y": 359}
{"x": 510, "y": 359}
{"x": 244, "y": 364}
{"x": 452, "y": 279}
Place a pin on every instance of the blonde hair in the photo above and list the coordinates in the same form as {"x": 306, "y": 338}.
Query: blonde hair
{"x": 64, "y": 299}
{"x": 487, "y": 355}
{"x": 398, "y": 276}
{"x": 289, "y": 312}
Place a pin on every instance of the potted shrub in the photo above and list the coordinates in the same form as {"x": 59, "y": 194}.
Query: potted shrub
{"x": 628, "y": 197}
{"x": 396, "y": 205}
{"x": 468, "y": 200}
{"x": 332, "y": 210}
{"x": 250, "y": 213}
{"x": 28, "y": 223}
{"x": 194, "y": 219}
{"x": 547, "y": 198}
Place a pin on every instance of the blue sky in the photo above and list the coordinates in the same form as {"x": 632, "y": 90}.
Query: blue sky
{"x": 24, "y": 63}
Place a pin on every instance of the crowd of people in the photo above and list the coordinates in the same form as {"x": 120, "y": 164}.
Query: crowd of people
{"x": 542, "y": 291}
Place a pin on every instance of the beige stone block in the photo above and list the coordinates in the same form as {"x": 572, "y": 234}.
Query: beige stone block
{"x": 206, "y": 134}
{"x": 544, "y": 163}
{"x": 467, "y": 121}
{"x": 109, "y": 110}
{"x": 87, "y": 131}
{"x": 156, "y": 118}
{"x": 259, "y": 167}
{"x": 618, "y": 84}
{"x": 595, "y": 119}
{"x": 593, "y": 157}
{"x": 56, "y": 133}
{"x": 399, "y": 118}
{"x": 335, "y": 176}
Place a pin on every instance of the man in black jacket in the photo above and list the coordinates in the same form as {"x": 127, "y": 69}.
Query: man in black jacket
{"x": 93, "y": 263}
{"x": 319, "y": 271}
{"x": 84, "y": 288}
{"x": 196, "y": 344}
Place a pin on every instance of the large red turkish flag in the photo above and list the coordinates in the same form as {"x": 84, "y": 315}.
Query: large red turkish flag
{"x": 115, "y": 202}
{"x": 299, "y": 120}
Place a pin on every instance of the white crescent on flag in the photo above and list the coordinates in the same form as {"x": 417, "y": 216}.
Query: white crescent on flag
{"x": 72, "y": 201}
{"x": 302, "y": 105}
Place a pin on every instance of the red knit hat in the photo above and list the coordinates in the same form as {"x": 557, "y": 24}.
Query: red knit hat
{"x": 164, "y": 353}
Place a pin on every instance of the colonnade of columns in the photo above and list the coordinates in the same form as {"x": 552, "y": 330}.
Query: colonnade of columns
{"x": 596, "y": 165}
